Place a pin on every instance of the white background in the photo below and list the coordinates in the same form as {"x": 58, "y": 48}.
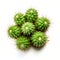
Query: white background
{"x": 47, "y": 8}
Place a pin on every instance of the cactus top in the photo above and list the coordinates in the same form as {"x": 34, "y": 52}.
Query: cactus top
{"x": 27, "y": 28}
{"x": 19, "y": 18}
{"x": 31, "y": 15}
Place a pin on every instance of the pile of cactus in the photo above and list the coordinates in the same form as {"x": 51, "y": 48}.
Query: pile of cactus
{"x": 29, "y": 30}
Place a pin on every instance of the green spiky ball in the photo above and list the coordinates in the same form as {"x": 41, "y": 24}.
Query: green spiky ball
{"x": 27, "y": 28}
{"x": 31, "y": 15}
{"x": 19, "y": 18}
{"x": 42, "y": 24}
{"x": 38, "y": 39}
{"x": 14, "y": 31}
{"x": 23, "y": 43}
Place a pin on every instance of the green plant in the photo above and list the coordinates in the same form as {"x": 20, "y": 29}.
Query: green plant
{"x": 38, "y": 39}
{"x": 31, "y": 15}
{"x": 14, "y": 31}
{"x": 23, "y": 43}
{"x": 29, "y": 29}
{"x": 19, "y": 18}
{"x": 42, "y": 24}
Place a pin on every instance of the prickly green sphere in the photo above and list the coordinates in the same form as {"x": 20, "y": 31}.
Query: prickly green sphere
{"x": 27, "y": 28}
{"x": 42, "y": 24}
{"x": 31, "y": 15}
{"x": 14, "y": 31}
{"x": 23, "y": 43}
{"x": 19, "y": 18}
{"x": 38, "y": 39}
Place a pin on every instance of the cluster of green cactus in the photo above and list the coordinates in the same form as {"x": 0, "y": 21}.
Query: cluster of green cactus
{"x": 29, "y": 29}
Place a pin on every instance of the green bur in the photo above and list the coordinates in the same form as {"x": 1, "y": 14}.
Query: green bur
{"x": 14, "y": 31}
{"x": 23, "y": 43}
{"x": 42, "y": 24}
{"x": 31, "y": 15}
{"x": 38, "y": 39}
{"x": 27, "y": 28}
{"x": 19, "y": 18}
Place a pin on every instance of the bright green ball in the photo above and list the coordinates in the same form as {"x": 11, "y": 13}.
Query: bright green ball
{"x": 38, "y": 39}
{"x": 19, "y": 18}
{"x": 27, "y": 28}
{"x": 14, "y": 31}
{"x": 23, "y": 43}
{"x": 42, "y": 24}
{"x": 31, "y": 15}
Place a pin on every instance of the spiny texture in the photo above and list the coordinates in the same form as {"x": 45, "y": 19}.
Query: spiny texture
{"x": 23, "y": 43}
{"x": 38, "y": 39}
{"x": 14, "y": 31}
{"x": 27, "y": 28}
{"x": 31, "y": 15}
{"x": 19, "y": 19}
{"x": 42, "y": 24}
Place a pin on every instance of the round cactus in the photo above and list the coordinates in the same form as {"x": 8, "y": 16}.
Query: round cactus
{"x": 23, "y": 43}
{"x": 31, "y": 15}
{"x": 42, "y": 24}
{"x": 27, "y": 28}
{"x": 14, "y": 31}
{"x": 38, "y": 39}
{"x": 19, "y": 18}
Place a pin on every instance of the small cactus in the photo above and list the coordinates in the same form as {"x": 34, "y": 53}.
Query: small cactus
{"x": 42, "y": 24}
{"x": 19, "y": 19}
{"x": 38, "y": 39}
{"x": 31, "y": 15}
{"x": 14, "y": 31}
{"x": 23, "y": 43}
{"x": 27, "y": 28}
